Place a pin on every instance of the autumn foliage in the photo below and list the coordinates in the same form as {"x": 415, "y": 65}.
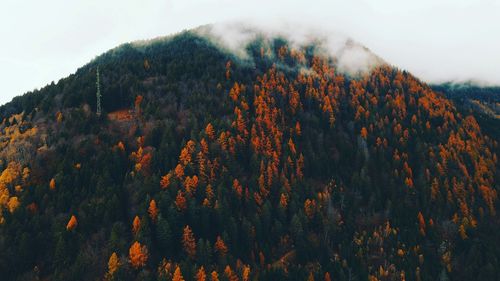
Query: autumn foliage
{"x": 72, "y": 223}
{"x": 138, "y": 255}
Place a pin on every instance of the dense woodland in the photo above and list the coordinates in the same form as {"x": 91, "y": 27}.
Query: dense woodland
{"x": 482, "y": 102}
{"x": 207, "y": 166}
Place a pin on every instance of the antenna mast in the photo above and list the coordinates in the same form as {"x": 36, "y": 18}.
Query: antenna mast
{"x": 98, "y": 94}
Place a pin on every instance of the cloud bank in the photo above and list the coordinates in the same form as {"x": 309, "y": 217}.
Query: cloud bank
{"x": 234, "y": 36}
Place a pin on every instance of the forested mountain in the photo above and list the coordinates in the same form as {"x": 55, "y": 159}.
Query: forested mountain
{"x": 206, "y": 165}
{"x": 481, "y": 101}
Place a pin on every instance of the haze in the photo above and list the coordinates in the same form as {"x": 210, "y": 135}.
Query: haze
{"x": 447, "y": 40}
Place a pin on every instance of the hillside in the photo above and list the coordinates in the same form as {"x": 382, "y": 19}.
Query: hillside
{"x": 278, "y": 165}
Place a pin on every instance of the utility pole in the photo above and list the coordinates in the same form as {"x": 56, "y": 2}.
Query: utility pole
{"x": 98, "y": 94}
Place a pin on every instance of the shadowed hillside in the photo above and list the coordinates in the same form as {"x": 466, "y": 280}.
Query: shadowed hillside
{"x": 279, "y": 165}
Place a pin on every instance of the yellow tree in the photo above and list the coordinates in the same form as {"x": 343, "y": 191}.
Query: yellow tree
{"x": 113, "y": 264}
{"x": 178, "y": 274}
{"x": 201, "y": 275}
{"x": 138, "y": 255}
{"x": 13, "y": 204}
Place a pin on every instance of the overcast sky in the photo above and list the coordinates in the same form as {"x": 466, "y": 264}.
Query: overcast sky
{"x": 437, "y": 40}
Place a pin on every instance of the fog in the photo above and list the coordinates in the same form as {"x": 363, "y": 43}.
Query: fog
{"x": 437, "y": 40}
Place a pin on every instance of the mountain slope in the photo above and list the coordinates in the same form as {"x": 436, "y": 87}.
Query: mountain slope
{"x": 275, "y": 165}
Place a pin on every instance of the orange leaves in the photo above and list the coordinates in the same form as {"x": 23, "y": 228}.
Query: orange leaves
{"x": 59, "y": 117}
{"x": 310, "y": 208}
{"x": 214, "y": 276}
{"x": 421, "y": 223}
{"x": 185, "y": 157}
{"x": 209, "y": 130}
{"x": 113, "y": 264}
{"x": 153, "y": 210}
{"x": 240, "y": 122}
{"x": 190, "y": 184}
{"x": 165, "y": 181}
{"x": 136, "y": 225}
{"x": 177, "y": 275}
{"x": 230, "y": 274}
{"x": 300, "y": 166}
{"x": 138, "y": 255}
{"x": 72, "y": 223}
{"x": 237, "y": 188}
{"x": 291, "y": 145}
{"x": 364, "y": 133}
{"x": 180, "y": 201}
{"x": 144, "y": 163}
{"x": 408, "y": 182}
{"x": 52, "y": 184}
{"x": 282, "y": 52}
{"x": 283, "y": 201}
{"x": 220, "y": 247}
{"x": 294, "y": 101}
{"x": 201, "y": 275}
{"x": 462, "y": 232}
{"x": 179, "y": 171}
{"x": 235, "y": 91}
{"x": 188, "y": 242}
{"x": 13, "y": 204}
{"x": 489, "y": 196}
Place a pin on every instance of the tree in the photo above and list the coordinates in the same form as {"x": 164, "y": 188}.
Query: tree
{"x": 364, "y": 133}
{"x": 230, "y": 274}
{"x": 165, "y": 181}
{"x": 13, "y": 204}
{"x": 201, "y": 275}
{"x": 179, "y": 171}
{"x": 136, "y": 225}
{"x": 185, "y": 157}
{"x": 220, "y": 246}
{"x": 246, "y": 273}
{"x": 52, "y": 184}
{"x": 180, "y": 201}
{"x": 310, "y": 207}
{"x": 113, "y": 263}
{"x": 72, "y": 223}
{"x": 177, "y": 274}
{"x": 137, "y": 104}
{"x": 209, "y": 130}
{"x": 138, "y": 255}
{"x": 214, "y": 276}
{"x": 153, "y": 210}
{"x": 421, "y": 223}
{"x": 188, "y": 242}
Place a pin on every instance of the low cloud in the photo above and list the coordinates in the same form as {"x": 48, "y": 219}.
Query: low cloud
{"x": 352, "y": 57}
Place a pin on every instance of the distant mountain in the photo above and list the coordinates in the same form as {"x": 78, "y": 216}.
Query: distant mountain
{"x": 481, "y": 101}
{"x": 246, "y": 156}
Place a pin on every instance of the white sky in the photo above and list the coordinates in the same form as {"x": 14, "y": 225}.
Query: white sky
{"x": 45, "y": 40}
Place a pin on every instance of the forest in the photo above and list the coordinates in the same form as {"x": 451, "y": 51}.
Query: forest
{"x": 278, "y": 166}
